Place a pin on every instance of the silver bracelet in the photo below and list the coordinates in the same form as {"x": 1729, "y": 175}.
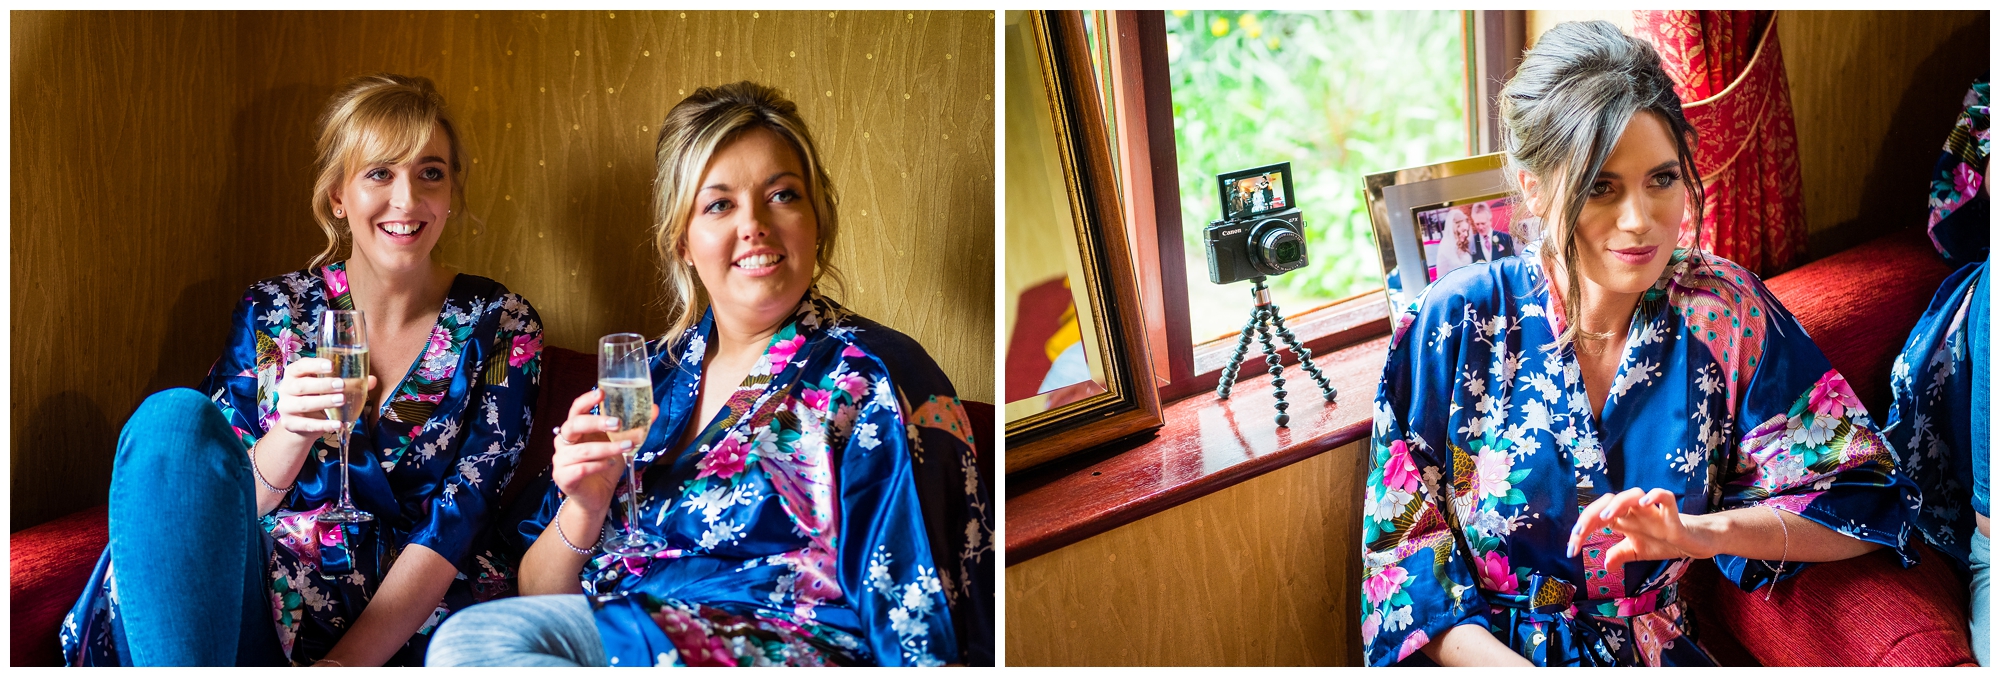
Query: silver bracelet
{"x": 1784, "y": 555}
{"x": 565, "y": 537}
{"x": 259, "y": 474}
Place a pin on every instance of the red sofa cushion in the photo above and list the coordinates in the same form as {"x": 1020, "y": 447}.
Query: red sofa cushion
{"x": 50, "y": 564}
{"x": 1868, "y": 611}
{"x": 1859, "y": 306}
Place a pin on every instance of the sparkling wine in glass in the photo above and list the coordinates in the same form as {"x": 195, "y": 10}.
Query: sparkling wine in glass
{"x": 627, "y": 385}
{"x": 343, "y": 340}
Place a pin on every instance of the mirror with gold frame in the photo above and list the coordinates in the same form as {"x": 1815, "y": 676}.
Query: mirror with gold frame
{"x": 1077, "y": 370}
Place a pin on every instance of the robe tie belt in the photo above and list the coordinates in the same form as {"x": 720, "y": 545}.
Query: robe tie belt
{"x": 1547, "y": 613}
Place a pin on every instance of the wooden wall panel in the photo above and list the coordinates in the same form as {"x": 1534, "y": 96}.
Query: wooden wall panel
{"x": 162, "y": 163}
{"x": 123, "y": 170}
{"x": 1874, "y": 94}
{"x": 1267, "y": 572}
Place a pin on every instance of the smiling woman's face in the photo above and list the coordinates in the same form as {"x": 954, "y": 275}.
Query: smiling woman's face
{"x": 1632, "y": 212}
{"x": 396, "y": 211}
{"x": 752, "y": 233}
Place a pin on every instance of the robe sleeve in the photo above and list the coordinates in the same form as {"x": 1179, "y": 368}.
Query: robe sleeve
{"x": 235, "y": 383}
{"x": 886, "y": 568}
{"x": 1805, "y": 445}
{"x": 1415, "y": 584}
{"x": 497, "y": 417}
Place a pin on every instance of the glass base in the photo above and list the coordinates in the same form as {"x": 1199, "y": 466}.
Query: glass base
{"x": 634, "y": 545}
{"x": 345, "y": 516}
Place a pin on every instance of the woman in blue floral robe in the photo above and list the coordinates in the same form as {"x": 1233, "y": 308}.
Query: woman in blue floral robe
{"x": 786, "y": 468}
{"x": 1939, "y": 420}
{"x": 1556, "y": 515}
{"x": 429, "y": 462}
{"x": 793, "y": 524}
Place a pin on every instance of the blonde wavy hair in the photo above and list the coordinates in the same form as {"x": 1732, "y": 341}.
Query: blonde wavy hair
{"x": 706, "y": 120}
{"x": 375, "y": 119}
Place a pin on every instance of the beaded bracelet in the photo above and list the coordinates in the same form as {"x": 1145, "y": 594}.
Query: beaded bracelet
{"x": 259, "y": 474}
{"x": 565, "y": 537}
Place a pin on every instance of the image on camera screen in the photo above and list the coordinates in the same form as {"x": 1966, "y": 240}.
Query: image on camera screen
{"x": 1462, "y": 232}
{"x": 1256, "y": 194}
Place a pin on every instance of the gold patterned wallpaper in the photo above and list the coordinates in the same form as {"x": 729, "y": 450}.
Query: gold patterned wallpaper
{"x": 162, "y": 161}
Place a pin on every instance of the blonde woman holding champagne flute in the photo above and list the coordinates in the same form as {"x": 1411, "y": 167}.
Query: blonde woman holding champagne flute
{"x": 776, "y": 517}
{"x": 316, "y": 499}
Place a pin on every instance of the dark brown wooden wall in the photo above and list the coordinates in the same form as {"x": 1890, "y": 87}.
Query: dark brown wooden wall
{"x": 162, "y": 162}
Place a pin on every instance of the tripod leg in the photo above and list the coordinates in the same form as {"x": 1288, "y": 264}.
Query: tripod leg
{"x": 1229, "y": 371}
{"x": 1305, "y": 355}
{"x": 1264, "y": 317}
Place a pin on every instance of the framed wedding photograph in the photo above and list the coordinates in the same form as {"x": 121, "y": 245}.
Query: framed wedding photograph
{"x": 1433, "y": 219}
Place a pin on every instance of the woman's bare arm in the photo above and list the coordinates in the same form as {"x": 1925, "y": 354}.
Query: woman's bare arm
{"x": 407, "y": 598}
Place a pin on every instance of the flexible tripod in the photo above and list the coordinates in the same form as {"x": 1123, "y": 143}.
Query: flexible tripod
{"x": 1264, "y": 319}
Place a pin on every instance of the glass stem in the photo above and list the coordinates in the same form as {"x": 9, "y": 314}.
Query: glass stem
{"x": 346, "y": 496}
{"x": 631, "y": 497}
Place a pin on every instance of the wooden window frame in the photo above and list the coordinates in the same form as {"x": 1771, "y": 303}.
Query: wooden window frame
{"x": 1149, "y": 179}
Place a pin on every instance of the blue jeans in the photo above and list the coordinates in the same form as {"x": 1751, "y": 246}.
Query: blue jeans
{"x": 186, "y": 550}
{"x": 1982, "y": 607}
{"x": 537, "y": 631}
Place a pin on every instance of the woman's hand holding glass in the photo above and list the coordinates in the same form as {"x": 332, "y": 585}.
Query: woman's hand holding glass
{"x": 1651, "y": 523}
{"x": 305, "y": 392}
{"x": 587, "y": 462}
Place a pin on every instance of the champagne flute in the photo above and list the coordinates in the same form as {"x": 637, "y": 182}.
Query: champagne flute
{"x": 623, "y": 377}
{"x": 343, "y": 340}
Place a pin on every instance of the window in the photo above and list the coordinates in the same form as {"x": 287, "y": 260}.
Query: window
{"x": 1338, "y": 94}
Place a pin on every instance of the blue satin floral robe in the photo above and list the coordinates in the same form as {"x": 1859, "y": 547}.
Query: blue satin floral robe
{"x": 1485, "y": 452}
{"x": 1938, "y": 420}
{"x": 795, "y": 531}
{"x": 429, "y": 463}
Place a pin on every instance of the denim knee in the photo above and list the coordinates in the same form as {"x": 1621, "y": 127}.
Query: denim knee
{"x": 179, "y": 424}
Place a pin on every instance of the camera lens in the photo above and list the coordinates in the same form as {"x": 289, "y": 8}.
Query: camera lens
{"x": 1275, "y": 247}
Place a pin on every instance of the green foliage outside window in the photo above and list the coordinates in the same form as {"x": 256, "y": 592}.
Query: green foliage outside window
{"x": 1339, "y": 94}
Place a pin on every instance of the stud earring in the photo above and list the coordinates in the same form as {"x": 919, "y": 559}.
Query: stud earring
{"x": 338, "y": 214}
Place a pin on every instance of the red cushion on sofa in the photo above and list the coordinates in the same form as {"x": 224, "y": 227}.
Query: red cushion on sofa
{"x": 51, "y": 563}
{"x": 1867, "y": 611}
{"x": 1860, "y": 304}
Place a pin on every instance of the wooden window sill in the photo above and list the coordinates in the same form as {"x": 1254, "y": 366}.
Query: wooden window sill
{"x": 1206, "y": 445}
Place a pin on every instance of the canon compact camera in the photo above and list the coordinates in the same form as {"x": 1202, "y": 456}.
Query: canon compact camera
{"x": 1261, "y": 232}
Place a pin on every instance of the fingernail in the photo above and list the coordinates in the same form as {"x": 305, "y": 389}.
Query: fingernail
{"x": 1606, "y": 514}
{"x": 1572, "y": 550}
{"x": 340, "y": 399}
{"x": 611, "y": 426}
{"x": 556, "y": 431}
{"x": 627, "y": 444}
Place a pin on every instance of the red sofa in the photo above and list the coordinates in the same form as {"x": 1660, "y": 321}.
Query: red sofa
{"x": 51, "y": 562}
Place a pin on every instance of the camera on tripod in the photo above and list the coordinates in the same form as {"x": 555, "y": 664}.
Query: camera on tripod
{"x": 1261, "y": 232}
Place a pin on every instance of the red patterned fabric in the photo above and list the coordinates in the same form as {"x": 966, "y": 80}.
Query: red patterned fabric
{"x": 1730, "y": 74}
{"x": 50, "y": 564}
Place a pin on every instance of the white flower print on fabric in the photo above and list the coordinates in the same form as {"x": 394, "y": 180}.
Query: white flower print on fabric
{"x": 911, "y": 606}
